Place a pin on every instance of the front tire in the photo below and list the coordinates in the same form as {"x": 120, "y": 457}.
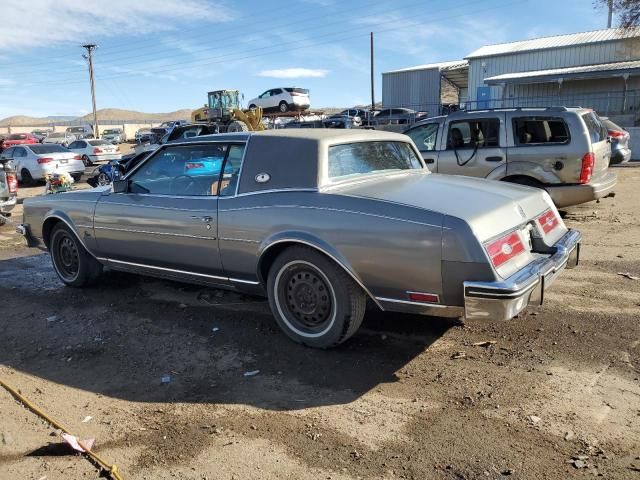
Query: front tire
{"x": 73, "y": 264}
{"x": 314, "y": 301}
{"x": 26, "y": 178}
{"x": 283, "y": 106}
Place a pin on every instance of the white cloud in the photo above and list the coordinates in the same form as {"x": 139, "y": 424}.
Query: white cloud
{"x": 294, "y": 73}
{"x": 52, "y": 22}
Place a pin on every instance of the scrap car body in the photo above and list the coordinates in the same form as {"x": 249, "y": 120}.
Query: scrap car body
{"x": 355, "y": 211}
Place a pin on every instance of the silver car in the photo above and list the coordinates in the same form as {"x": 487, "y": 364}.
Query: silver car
{"x": 564, "y": 151}
{"x": 317, "y": 220}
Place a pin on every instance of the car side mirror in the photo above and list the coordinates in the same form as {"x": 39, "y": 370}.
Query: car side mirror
{"x": 120, "y": 186}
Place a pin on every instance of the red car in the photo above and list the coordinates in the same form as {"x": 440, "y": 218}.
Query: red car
{"x": 18, "y": 139}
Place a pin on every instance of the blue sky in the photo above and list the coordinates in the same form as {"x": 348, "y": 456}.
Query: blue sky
{"x": 160, "y": 56}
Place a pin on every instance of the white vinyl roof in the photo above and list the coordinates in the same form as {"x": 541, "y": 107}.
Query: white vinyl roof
{"x": 544, "y": 43}
{"x": 440, "y": 66}
{"x": 554, "y": 74}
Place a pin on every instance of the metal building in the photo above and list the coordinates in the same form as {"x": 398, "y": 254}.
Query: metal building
{"x": 598, "y": 69}
{"x": 425, "y": 87}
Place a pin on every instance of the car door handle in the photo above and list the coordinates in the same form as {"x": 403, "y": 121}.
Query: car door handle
{"x": 429, "y": 160}
{"x": 493, "y": 159}
{"x": 206, "y": 218}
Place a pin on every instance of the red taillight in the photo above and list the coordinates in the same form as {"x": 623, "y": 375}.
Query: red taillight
{"x": 45, "y": 159}
{"x": 423, "y": 297}
{"x": 616, "y": 133}
{"x": 504, "y": 249}
{"x": 548, "y": 221}
{"x": 586, "y": 171}
{"x": 97, "y": 151}
{"x": 12, "y": 181}
{"x": 190, "y": 165}
{"x": 77, "y": 157}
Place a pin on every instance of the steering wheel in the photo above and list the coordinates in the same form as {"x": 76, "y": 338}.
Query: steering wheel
{"x": 191, "y": 181}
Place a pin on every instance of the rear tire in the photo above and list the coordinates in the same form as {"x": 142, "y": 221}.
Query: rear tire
{"x": 252, "y": 106}
{"x": 73, "y": 264}
{"x": 237, "y": 126}
{"x": 527, "y": 181}
{"x": 26, "y": 178}
{"x": 76, "y": 177}
{"x": 283, "y": 107}
{"x": 314, "y": 301}
{"x": 86, "y": 160}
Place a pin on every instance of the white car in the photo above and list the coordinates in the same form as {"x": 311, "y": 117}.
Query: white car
{"x": 91, "y": 151}
{"x": 60, "y": 138}
{"x": 114, "y": 135}
{"x": 282, "y": 99}
{"x": 34, "y": 162}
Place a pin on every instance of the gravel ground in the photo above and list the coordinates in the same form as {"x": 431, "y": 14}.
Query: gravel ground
{"x": 557, "y": 395}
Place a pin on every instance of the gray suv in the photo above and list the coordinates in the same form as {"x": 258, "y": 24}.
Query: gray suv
{"x": 563, "y": 150}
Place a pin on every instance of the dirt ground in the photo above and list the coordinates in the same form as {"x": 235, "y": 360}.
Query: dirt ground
{"x": 556, "y": 397}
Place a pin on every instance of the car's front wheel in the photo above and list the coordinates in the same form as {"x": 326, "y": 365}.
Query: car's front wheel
{"x": 314, "y": 301}
{"x": 73, "y": 264}
{"x": 283, "y": 107}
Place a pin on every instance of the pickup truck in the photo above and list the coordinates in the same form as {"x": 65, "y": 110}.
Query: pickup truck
{"x": 8, "y": 189}
{"x": 562, "y": 150}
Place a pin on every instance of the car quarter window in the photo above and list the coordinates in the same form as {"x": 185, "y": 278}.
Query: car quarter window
{"x": 424, "y": 136}
{"x": 229, "y": 181}
{"x": 475, "y": 133}
{"x": 540, "y": 131}
{"x": 597, "y": 131}
{"x": 182, "y": 170}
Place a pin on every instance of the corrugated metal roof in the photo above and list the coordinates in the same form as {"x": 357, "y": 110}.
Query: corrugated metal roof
{"x": 544, "y": 43}
{"x": 440, "y": 66}
{"x": 555, "y": 73}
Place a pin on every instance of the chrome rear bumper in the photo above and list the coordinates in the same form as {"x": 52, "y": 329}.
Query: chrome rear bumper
{"x": 504, "y": 300}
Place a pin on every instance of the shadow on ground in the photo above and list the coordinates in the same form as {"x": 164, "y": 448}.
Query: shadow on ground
{"x": 122, "y": 336}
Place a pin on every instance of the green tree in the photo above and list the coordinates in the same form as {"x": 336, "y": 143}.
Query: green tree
{"x": 627, "y": 11}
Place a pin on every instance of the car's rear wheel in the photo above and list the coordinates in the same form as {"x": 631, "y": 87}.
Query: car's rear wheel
{"x": 522, "y": 180}
{"x": 26, "y": 178}
{"x": 283, "y": 106}
{"x": 73, "y": 264}
{"x": 86, "y": 160}
{"x": 252, "y": 106}
{"x": 76, "y": 176}
{"x": 315, "y": 302}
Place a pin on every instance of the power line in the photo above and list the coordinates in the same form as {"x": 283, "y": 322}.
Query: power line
{"x": 217, "y": 59}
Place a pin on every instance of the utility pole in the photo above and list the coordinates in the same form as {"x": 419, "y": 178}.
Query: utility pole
{"x": 89, "y": 56}
{"x": 373, "y": 98}
{"x": 610, "y": 14}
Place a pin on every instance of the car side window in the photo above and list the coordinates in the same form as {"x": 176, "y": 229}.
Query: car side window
{"x": 425, "y": 136}
{"x": 266, "y": 94}
{"x": 19, "y": 152}
{"x": 187, "y": 170}
{"x": 540, "y": 131}
{"x": 473, "y": 134}
{"x": 231, "y": 172}
{"x": 276, "y": 91}
{"x": 73, "y": 145}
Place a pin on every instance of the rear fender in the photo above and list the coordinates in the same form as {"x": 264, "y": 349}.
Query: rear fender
{"x": 271, "y": 247}
{"x": 527, "y": 169}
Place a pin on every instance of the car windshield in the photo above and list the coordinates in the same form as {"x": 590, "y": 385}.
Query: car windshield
{"x": 98, "y": 142}
{"x": 17, "y": 136}
{"x": 110, "y": 132}
{"x": 76, "y": 129}
{"x": 363, "y": 158}
{"x": 47, "y": 148}
{"x": 56, "y": 135}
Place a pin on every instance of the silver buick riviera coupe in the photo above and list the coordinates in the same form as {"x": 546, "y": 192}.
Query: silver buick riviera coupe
{"x": 320, "y": 221}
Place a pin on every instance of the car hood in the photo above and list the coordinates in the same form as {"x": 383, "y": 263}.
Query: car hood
{"x": 489, "y": 207}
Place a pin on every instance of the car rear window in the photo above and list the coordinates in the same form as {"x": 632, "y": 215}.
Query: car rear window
{"x": 540, "y": 131}
{"x": 95, "y": 143}
{"x": 17, "y": 136}
{"x": 363, "y": 158}
{"x": 47, "y": 148}
{"x": 597, "y": 131}
{"x": 302, "y": 91}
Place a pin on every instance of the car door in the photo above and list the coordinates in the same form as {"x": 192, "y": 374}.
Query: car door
{"x": 264, "y": 99}
{"x": 473, "y": 145}
{"x": 19, "y": 159}
{"x": 425, "y": 136}
{"x": 166, "y": 219}
{"x": 277, "y": 96}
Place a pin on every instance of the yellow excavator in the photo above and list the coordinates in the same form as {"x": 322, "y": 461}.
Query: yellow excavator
{"x": 224, "y": 111}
